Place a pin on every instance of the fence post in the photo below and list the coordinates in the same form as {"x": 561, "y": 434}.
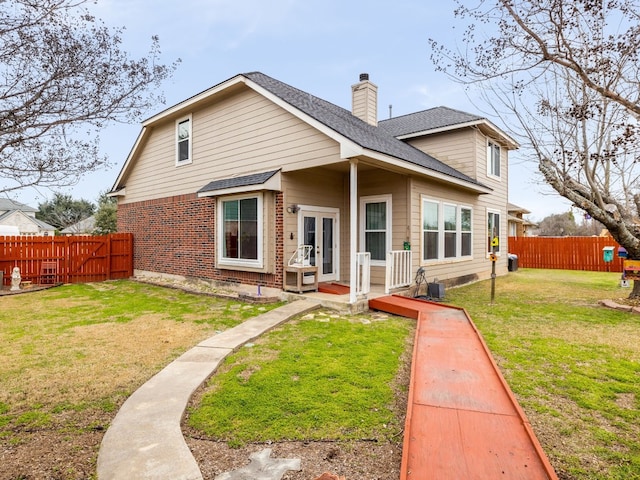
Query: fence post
{"x": 109, "y": 259}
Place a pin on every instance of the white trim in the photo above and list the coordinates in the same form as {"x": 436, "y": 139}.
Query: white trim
{"x": 232, "y": 262}
{"x": 441, "y": 231}
{"x": 325, "y": 212}
{"x": 490, "y": 145}
{"x": 510, "y": 142}
{"x": 424, "y": 171}
{"x": 495, "y": 211}
{"x": 387, "y": 199}
{"x": 178, "y": 122}
{"x": 274, "y": 183}
{"x": 190, "y": 102}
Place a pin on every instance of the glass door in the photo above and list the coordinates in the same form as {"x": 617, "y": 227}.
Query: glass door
{"x": 319, "y": 229}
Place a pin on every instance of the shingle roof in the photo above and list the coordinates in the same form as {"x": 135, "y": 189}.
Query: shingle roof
{"x": 7, "y": 204}
{"x": 232, "y": 182}
{"x": 434, "y": 118}
{"x": 346, "y": 124}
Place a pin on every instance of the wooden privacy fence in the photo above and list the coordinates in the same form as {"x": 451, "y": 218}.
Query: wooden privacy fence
{"x": 75, "y": 259}
{"x": 567, "y": 253}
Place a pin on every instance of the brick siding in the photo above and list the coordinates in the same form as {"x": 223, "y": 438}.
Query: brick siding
{"x": 176, "y": 235}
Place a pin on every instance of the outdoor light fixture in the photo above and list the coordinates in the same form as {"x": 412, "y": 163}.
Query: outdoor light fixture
{"x": 293, "y": 208}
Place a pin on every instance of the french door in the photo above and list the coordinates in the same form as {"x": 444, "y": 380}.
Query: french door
{"x": 319, "y": 228}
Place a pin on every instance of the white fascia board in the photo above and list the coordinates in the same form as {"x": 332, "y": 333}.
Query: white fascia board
{"x": 427, "y": 172}
{"x": 127, "y": 162}
{"x": 189, "y": 102}
{"x": 510, "y": 142}
{"x": 348, "y": 148}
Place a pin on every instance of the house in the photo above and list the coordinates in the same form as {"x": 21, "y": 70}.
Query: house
{"x": 17, "y": 215}
{"x": 85, "y": 226}
{"x": 228, "y": 183}
{"x": 518, "y": 225}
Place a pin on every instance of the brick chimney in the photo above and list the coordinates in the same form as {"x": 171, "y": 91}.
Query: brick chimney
{"x": 365, "y": 100}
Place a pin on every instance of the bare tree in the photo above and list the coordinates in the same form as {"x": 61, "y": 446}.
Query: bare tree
{"x": 63, "y": 76}
{"x": 565, "y": 78}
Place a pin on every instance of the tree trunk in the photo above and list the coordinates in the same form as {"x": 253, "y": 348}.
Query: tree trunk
{"x": 635, "y": 292}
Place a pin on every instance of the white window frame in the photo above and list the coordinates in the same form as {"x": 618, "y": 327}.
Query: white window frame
{"x": 441, "y": 231}
{"x": 494, "y": 163}
{"x": 189, "y": 159}
{"x": 500, "y": 219}
{"x": 239, "y": 262}
{"x": 388, "y": 227}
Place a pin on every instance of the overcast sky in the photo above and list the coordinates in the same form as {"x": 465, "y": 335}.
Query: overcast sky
{"x": 319, "y": 46}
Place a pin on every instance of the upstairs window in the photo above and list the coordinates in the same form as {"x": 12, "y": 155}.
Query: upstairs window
{"x": 493, "y": 159}
{"x": 183, "y": 141}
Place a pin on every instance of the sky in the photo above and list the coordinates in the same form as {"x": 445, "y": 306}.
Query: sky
{"x": 318, "y": 46}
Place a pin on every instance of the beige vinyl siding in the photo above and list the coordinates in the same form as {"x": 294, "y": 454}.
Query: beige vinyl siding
{"x": 380, "y": 182}
{"x": 455, "y": 148}
{"x": 316, "y": 187}
{"x": 241, "y": 134}
{"x": 478, "y": 265}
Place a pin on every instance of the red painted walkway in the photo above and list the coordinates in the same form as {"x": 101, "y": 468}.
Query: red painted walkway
{"x": 463, "y": 421}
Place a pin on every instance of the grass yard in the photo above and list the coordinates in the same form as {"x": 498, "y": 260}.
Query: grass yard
{"x": 320, "y": 377}
{"x": 574, "y": 366}
{"x": 70, "y": 355}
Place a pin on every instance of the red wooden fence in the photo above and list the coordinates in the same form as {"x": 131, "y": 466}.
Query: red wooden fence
{"x": 567, "y": 253}
{"x": 76, "y": 259}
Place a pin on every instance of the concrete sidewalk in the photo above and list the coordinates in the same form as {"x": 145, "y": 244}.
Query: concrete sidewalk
{"x": 145, "y": 440}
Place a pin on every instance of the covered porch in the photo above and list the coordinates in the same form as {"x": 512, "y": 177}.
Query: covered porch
{"x": 353, "y": 220}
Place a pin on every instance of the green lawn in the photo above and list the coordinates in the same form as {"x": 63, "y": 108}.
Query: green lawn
{"x": 86, "y": 347}
{"x": 320, "y": 377}
{"x": 71, "y": 355}
{"x": 574, "y": 366}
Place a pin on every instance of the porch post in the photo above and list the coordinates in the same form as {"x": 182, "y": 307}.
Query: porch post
{"x": 353, "y": 229}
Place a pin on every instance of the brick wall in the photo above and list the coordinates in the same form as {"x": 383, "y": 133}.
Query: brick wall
{"x": 176, "y": 235}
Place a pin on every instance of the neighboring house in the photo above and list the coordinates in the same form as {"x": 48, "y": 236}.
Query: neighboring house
{"x": 16, "y": 214}
{"x": 518, "y": 225}
{"x": 226, "y": 184}
{"x": 83, "y": 227}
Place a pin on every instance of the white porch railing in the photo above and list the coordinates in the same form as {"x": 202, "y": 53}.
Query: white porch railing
{"x": 363, "y": 273}
{"x": 398, "y": 270}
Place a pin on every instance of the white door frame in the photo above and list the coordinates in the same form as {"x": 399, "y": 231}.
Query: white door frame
{"x": 320, "y": 213}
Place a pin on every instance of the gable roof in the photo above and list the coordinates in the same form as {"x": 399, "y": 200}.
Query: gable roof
{"x": 440, "y": 119}
{"x": 351, "y": 127}
{"x": 7, "y": 205}
{"x": 38, "y": 223}
{"x": 356, "y": 137}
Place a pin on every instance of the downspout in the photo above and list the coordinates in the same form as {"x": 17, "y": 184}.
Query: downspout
{"x": 353, "y": 229}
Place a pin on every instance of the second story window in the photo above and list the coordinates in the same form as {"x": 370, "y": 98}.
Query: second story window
{"x": 183, "y": 141}
{"x": 493, "y": 159}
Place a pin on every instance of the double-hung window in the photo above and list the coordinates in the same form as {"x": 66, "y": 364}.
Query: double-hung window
{"x": 493, "y": 159}
{"x": 446, "y": 230}
{"x": 240, "y": 231}
{"x": 376, "y": 227}
{"x": 184, "y": 141}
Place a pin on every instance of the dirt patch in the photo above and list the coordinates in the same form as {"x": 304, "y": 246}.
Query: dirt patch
{"x": 354, "y": 460}
{"x": 64, "y": 451}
